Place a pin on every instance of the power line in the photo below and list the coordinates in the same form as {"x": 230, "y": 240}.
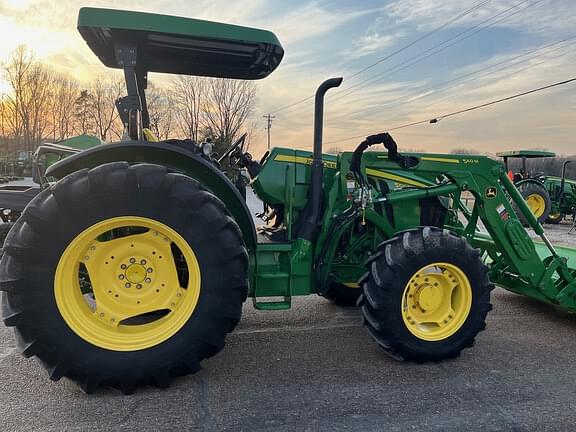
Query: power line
{"x": 431, "y": 51}
{"x": 436, "y": 48}
{"x": 398, "y": 51}
{"x": 421, "y": 38}
{"x": 462, "y": 111}
{"x": 441, "y": 87}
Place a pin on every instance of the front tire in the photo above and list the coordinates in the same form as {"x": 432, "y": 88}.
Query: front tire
{"x": 555, "y": 218}
{"x": 69, "y": 260}
{"x": 425, "y": 296}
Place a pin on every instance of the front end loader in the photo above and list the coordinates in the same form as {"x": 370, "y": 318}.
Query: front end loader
{"x": 133, "y": 267}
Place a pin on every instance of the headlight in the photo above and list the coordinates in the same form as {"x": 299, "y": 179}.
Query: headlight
{"x": 207, "y": 149}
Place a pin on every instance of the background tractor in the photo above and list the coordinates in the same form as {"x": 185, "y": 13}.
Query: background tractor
{"x": 531, "y": 185}
{"x": 133, "y": 267}
{"x": 562, "y": 193}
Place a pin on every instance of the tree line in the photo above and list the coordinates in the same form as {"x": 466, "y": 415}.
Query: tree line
{"x": 43, "y": 105}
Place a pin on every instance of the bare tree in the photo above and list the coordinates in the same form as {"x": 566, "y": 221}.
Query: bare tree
{"x": 84, "y": 122}
{"x": 63, "y": 94}
{"x": 28, "y": 101}
{"x": 229, "y": 104}
{"x": 161, "y": 110}
{"x": 188, "y": 97}
{"x": 103, "y": 95}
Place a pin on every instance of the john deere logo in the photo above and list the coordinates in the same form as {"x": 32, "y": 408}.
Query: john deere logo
{"x": 491, "y": 192}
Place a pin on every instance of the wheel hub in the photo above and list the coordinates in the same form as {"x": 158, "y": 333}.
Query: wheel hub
{"x": 136, "y": 273}
{"x": 436, "y": 301}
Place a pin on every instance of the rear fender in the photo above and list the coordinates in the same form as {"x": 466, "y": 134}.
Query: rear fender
{"x": 174, "y": 157}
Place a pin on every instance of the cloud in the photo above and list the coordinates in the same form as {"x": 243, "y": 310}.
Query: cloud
{"x": 541, "y": 18}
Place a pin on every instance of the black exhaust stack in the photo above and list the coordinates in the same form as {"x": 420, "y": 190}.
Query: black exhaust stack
{"x": 310, "y": 228}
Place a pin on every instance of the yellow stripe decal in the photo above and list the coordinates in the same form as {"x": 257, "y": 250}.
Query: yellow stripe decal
{"x": 437, "y": 159}
{"x": 302, "y": 160}
{"x": 369, "y": 171}
{"x": 404, "y": 180}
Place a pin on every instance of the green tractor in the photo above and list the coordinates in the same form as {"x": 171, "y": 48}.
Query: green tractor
{"x": 134, "y": 266}
{"x": 562, "y": 192}
{"x": 531, "y": 186}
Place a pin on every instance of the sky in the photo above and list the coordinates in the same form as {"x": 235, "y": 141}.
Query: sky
{"x": 423, "y": 58}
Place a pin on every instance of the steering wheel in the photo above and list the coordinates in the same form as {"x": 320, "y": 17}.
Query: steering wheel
{"x": 239, "y": 144}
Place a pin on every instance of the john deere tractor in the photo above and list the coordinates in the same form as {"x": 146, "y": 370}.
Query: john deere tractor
{"x": 531, "y": 185}
{"x": 133, "y": 267}
{"x": 562, "y": 192}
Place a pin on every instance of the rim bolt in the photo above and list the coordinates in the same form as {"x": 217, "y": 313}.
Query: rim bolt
{"x": 92, "y": 247}
{"x": 143, "y": 262}
{"x": 166, "y": 239}
{"x": 101, "y": 314}
{"x": 121, "y": 276}
{"x": 148, "y": 280}
{"x": 178, "y": 294}
{"x": 172, "y": 304}
{"x": 86, "y": 258}
{"x": 149, "y": 270}
{"x": 414, "y": 307}
{"x": 139, "y": 286}
{"x": 112, "y": 320}
{"x": 155, "y": 233}
{"x": 123, "y": 266}
{"x": 445, "y": 321}
{"x": 128, "y": 285}
{"x": 132, "y": 260}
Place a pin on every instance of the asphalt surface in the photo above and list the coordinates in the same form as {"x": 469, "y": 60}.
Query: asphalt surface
{"x": 314, "y": 368}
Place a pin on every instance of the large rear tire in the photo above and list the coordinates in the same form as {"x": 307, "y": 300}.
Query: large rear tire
{"x": 425, "y": 296}
{"x": 123, "y": 275}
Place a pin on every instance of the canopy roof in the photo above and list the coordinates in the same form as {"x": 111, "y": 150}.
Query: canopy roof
{"x": 183, "y": 46}
{"x": 526, "y": 153}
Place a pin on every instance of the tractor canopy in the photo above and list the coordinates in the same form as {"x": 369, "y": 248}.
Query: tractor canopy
{"x": 529, "y": 154}
{"x": 175, "y": 45}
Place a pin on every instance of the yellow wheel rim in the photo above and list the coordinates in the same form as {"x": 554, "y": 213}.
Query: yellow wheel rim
{"x": 537, "y": 204}
{"x": 436, "y": 301}
{"x": 127, "y": 283}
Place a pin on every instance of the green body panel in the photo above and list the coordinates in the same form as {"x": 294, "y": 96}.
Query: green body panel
{"x": 399, "y": 198}
{"x": 177, "y": 45}
{"x": 80, "y": 142}
{"x": 561, "y": 203}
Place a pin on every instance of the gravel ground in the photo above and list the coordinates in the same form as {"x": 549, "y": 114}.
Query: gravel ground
{"x": 313, "y": 368}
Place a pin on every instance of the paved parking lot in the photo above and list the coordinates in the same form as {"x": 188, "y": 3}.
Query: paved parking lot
{"x": 314, "y": 368}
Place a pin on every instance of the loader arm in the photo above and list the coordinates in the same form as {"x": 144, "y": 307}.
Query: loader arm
{"x": 515, "y": 261}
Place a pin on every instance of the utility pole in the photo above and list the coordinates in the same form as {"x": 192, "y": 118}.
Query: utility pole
{"x": 269, "y": 118}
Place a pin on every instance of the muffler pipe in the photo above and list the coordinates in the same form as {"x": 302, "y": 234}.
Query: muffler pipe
{"x": 310, "y": 228}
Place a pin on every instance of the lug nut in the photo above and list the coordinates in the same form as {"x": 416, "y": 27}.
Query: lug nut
{"x": 121, "y": 276}
{"x": 132, "y": 260}
{"x": 148, "y": 280}
{"x": 138, "y": 286}
{"x": 123, "y": 266}
{"x": 149, "y": 270}
{"x": 143, "y": 262}
{"x": 128, "y": 285}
